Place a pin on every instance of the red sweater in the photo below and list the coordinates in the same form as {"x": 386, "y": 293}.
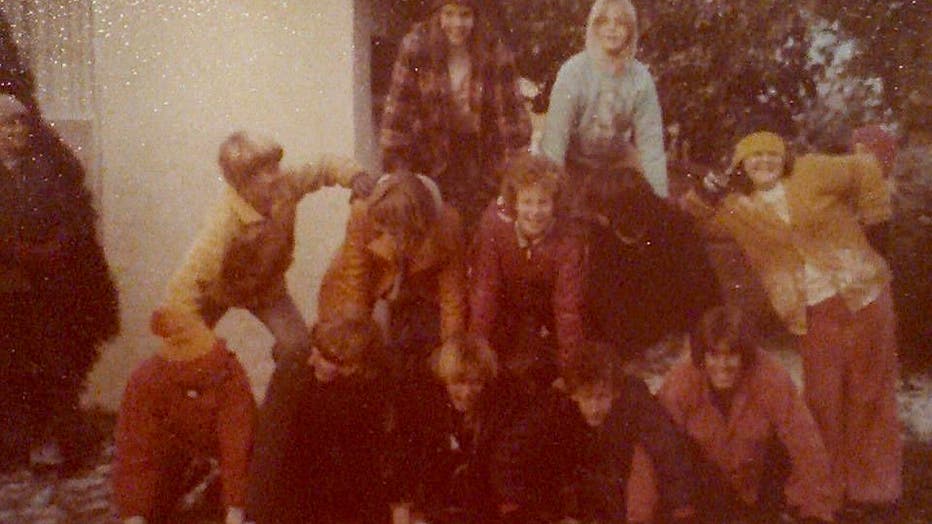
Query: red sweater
{"x": 180, "y": 410}
{"x": 540, "y": 283}
{"x": 765, "y": 402}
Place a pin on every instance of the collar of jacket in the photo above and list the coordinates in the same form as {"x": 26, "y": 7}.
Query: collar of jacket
{"x": 242, "y": 209}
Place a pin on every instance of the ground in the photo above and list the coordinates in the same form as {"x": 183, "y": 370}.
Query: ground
{"x": 37, "y": 497}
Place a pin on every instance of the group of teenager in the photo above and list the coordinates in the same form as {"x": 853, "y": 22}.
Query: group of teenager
{"x": 467, "y": 360}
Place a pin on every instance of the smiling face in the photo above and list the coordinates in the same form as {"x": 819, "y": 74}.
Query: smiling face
{"x": 723, "y": 367}
{"x": 534, "y": 210}
{"x": 613, "y": 29}
{"x": 457, "y": 21}
{"x": 764, "y": 169}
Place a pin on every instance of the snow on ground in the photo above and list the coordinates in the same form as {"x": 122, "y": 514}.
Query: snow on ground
{"x": 37, "y": 497}
{"x": 914, "y": 392}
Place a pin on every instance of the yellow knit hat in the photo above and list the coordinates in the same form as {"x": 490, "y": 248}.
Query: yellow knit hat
{"x": 759, "y": 142}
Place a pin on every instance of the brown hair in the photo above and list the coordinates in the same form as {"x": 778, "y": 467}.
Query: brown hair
{"x": 525, "y": 170}
{"x": 621, "y": 194}
{"x": 403, "y": 204}
{"x": 241, "y": 156}
{"x": 483, "y": 38}
{"x": 351, "y": 341}
{"x": 722, "y": 325}
{"x": 464, "y": 356}
{"x": 597, "y": 363}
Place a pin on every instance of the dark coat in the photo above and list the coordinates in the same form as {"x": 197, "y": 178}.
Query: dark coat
{"x": 49, "y": 230}
{"x": 459, "y": 473}
{"x": 333, "y": 472}
{"x": 597, "y": 461}
{"x": 57, "y": 299}
{"x": 638, "y": 292}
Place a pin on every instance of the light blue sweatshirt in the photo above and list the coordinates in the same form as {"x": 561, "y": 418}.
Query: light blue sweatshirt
{"x": 594, "y": 116}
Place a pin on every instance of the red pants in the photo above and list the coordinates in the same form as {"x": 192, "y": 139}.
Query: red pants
{"x": 851, "y": 372}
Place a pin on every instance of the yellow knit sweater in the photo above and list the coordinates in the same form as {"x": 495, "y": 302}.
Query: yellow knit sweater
{"x": 830, "y": 199}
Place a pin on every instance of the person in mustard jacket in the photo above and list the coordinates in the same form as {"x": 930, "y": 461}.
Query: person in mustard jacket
{"x": 240, "y": 258}
{"x": 803, "y": 227}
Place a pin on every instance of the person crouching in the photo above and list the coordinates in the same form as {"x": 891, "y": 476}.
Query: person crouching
{"x": 190, "y": 402}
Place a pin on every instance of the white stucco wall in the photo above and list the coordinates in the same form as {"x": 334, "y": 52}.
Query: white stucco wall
{"x": 173, "y": 78}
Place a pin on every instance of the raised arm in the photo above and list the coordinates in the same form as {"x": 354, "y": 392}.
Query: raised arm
{"x": 328, "y": 170}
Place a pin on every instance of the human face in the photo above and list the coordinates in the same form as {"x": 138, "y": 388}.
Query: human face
{"x": 14, "y": 135}
{"x": 612, "y": 29}
{"x": 594, "y": 403}
{"x": 722, "y": 367}
{"x": 764, "y": 169}
{"x": 457, "y": 21}
{"x": 464, "y": 393}
{"x": 534, "y": 209}
{"x": 258, "y": 189}
{"x": 405, "y": 242}
{"x": 327, "y": 369}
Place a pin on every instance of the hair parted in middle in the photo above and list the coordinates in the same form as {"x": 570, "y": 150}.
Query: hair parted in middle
{"x": 242, "y": 155}
{"x": 597, "y": 17}
{"x": 402, "y": 203}
{"x": 524, "y": 170}
{"x": 722, "y": 325}
{"x": 464, "y": 356}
